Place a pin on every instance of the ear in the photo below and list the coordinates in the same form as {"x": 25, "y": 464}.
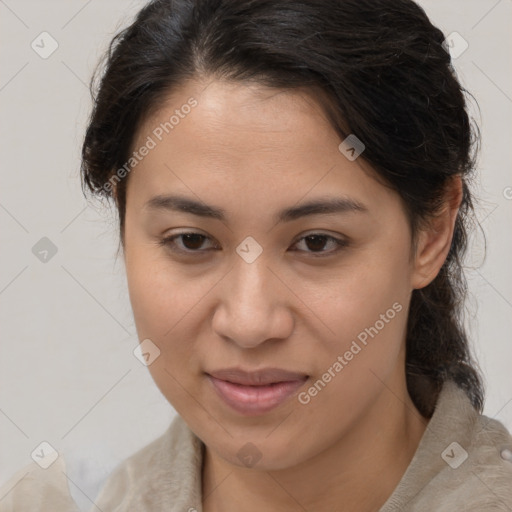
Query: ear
{"x": 434, "y": 239}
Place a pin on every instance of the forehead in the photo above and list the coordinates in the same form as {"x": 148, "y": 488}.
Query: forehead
{"x": 244, "y": 143}
{"x": 226, "y": 112}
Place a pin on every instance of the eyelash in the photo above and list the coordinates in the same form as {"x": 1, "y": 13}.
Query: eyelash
{"x": 169, "y": 242}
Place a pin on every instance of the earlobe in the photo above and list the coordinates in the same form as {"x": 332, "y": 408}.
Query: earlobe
{"x": 434, "y": 240}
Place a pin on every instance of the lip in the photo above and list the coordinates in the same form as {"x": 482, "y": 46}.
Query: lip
{"x": 257, "y": 392}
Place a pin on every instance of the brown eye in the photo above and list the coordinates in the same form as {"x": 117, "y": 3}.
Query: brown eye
{"x": 316, "y": 244}
{"x": 186, "y": 242}
{"x": 193, "y": 241}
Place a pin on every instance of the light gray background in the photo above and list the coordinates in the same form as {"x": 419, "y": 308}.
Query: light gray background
{"x": 67, "y": 371}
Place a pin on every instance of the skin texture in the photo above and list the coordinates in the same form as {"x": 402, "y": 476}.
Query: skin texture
{"x": 253, "y": 151}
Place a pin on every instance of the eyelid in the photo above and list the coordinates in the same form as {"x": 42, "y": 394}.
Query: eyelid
{"x": 340, "y": 242}
{"x": 167, "y": 240}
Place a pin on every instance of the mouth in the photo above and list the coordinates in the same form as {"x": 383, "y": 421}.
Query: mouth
{"x": 255, "y": 393}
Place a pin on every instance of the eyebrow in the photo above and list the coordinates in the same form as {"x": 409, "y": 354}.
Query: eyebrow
{"x": 320, "y": 206}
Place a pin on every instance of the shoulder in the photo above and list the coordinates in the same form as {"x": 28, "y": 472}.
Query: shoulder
{"x": 486, "y": 475}
{"x": 463, "y": 462}
{"x": 476, "y": 468}
{"x": 164, "y": 475}
{"x": 478, "y": 460}
{"x": 478, "y": 474}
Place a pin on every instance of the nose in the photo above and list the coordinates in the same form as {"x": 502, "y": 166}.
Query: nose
{"x": 253, "y": 305}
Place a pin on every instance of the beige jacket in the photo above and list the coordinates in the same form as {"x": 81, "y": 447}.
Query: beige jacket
{"x": 463, "y": 463}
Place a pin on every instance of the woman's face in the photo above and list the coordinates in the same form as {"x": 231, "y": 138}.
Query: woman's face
{"x": 249, "y": 291}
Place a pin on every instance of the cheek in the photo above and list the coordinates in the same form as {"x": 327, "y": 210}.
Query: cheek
{"x": 367, "y": 350}
{"x": 365, "y": 306}
{"x": 160, "y": 295}
{"x": 168, "y": 307}
{"x": 164, "y": 305}
{"x": 149, "y": 297}
{"x": 356, "y": 296}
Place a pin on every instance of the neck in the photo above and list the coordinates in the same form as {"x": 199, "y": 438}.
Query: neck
{"x": 359, "y": 472}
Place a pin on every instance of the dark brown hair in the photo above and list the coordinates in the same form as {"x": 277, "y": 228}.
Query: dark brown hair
{"x": 388, "y": 79}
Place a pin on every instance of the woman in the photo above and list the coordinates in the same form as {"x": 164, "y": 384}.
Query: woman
{"x": 291, "y": 179}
